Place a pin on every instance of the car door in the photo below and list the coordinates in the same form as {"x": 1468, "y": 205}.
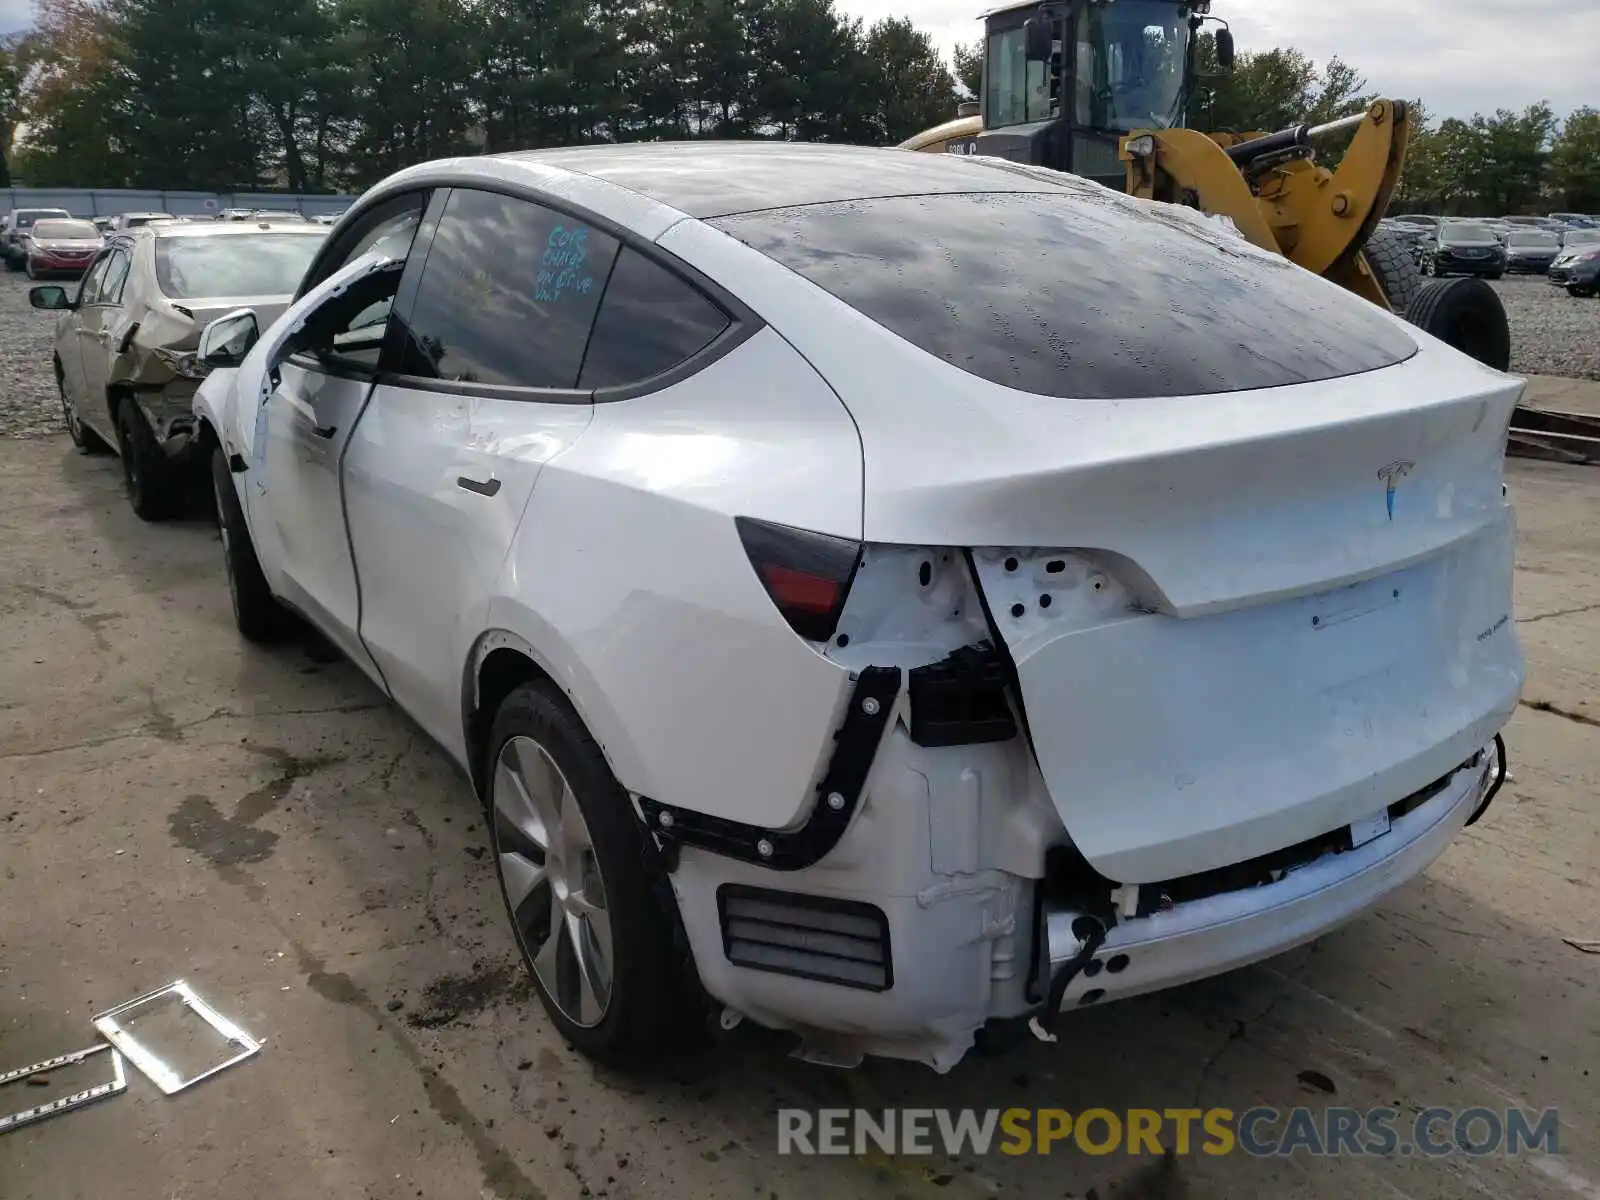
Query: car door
{"x": 306, "y": 421}
{"x": 480, "y": 389}
{"x": 105, "y": 329}
{"x": 89, "y": 322}
{"x": 69, "y": 334}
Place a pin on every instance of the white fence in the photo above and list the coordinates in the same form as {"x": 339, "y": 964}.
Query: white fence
{"x": 107, "y": 202}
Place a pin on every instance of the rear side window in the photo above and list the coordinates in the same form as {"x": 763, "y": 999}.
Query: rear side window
{"x": 1062, "y": 295}
{"x": 507, "y": 296}
{"x": 650, "y": 321}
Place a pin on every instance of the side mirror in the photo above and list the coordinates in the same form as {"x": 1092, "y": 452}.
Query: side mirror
{"x": 1225, "y": 50}
{"x": 50, "y": 297}
{"x": 1037, "y": 39}
{"x": 225, "y": 341}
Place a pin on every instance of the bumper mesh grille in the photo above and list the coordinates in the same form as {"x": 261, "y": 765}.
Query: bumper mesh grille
{"x": 844, "y": 942}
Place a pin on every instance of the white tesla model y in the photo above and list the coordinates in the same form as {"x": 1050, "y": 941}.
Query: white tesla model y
{"x": 881, "y": 593}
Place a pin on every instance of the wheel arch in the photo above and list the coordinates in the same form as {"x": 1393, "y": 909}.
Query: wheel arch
{"x": 501, "y": 660}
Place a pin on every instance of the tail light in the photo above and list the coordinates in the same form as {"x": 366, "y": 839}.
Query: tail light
{"x": 807, "y": 574}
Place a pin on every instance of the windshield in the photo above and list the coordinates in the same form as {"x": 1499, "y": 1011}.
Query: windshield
{"x": 1583, "y": 237}
{"x": 66, "y": 231}
{"x": 1539, "y": 241}
{"x": 1129, "y": 58}
{"x": 1467, "y": 233}
{"x": 26, "y": 217}
{"x": 266, "y": 264}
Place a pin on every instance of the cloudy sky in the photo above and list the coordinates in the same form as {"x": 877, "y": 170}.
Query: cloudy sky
{"x": 1460, "y": 56}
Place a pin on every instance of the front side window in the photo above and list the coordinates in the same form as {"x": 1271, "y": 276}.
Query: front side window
{"x": 256, "y": 264}
{"x": 116, "y": 278}
{"x": 1018, "y": 90}
{"x": 89, "y": 292}
{"x": 1059, "y": 296}
{"x": 649, "y": 321}
{"x": 508, "y": 294}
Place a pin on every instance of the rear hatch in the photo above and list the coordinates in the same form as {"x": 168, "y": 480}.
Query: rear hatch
{"x": 1228, "y": 643}
{"x": 1242, "y": 533}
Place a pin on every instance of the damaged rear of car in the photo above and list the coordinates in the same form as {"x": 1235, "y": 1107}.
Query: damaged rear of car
{"x": 1179, "y": 628}
{"x": 125, "y": 356}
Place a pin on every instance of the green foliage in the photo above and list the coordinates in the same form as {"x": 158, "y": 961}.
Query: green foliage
{"x": 1575, "y": 163}
{"x": 330, "y": 94}
{"x": 967, "y": 58}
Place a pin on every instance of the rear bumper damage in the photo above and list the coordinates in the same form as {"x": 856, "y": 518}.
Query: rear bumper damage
{"x": 170, "y": 413}
{"x": 1183, "y": 942}
{"x": 911, "y": 934}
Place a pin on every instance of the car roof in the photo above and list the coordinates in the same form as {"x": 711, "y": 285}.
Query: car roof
{"x": 187, "y": 229}
{"x": 718, "y": 179}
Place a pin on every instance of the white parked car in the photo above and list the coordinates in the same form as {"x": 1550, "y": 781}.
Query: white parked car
{"x": 892, "y": 592}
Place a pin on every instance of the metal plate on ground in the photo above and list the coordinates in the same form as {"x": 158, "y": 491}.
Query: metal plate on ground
{"x": 175, "y": 1037}
{"x": 11, "y": 1081}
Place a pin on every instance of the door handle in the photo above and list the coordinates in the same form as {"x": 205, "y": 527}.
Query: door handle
{"x": 484, "y": 487}
{"x": 322, "y": 432}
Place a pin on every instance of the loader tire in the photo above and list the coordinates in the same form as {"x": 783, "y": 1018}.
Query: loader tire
{"x": 1467, "y": 314}
{"x": 1390, "y": 257}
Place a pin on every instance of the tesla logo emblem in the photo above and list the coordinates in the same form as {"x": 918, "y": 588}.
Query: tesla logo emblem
{"x": 1391, "y": 476}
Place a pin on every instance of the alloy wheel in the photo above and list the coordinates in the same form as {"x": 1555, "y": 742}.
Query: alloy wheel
{"x": 552, "y": 882}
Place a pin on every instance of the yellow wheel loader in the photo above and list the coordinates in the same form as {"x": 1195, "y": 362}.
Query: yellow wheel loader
{"x": 1101, "y": 88}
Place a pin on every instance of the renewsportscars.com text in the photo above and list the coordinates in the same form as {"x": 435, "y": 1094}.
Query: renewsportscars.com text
{"x": 1258, "y": 1132}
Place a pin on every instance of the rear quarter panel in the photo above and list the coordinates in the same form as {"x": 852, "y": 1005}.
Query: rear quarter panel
{"x": 628, "y": 579}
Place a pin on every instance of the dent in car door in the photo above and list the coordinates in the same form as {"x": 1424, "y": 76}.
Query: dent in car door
{"x": 308, "y": 421}
{"x": 435, "y": 485}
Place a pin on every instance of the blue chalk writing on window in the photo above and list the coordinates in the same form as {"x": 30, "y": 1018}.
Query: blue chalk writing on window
{"x": 561, "y": 270}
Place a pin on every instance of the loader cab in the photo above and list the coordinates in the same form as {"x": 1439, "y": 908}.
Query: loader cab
{"x": 1065, "y": 81}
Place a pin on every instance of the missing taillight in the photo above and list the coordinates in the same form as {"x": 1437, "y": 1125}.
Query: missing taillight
{"x": 807, "y": 574}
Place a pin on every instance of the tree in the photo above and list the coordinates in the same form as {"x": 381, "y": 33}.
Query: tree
{"x": 967, "y": 59}
{"x": 69, "y": 91}
{"x": 1575, "y": 162}
{"x": 1508, "y": 155}
{"x": 911, "y": 87}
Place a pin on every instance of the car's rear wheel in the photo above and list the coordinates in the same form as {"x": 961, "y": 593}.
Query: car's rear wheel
{"x": 568, "y": 850}
{"x": 152, "y": 486}
{"x": 256, "y": 611}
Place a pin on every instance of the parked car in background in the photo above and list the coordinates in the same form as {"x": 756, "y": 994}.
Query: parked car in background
{"x": 1577, "y": 267}
{"x": 1466, "y": 248}
{"x": 327, "y": 218}
{"x": 597, "y": 461}
{"x": 17, "y": 224}
{"x": 1531, "y": 251}
{"x": 1548, "y": 224}
{"x": 1576, "y": 220}
{"x": 134, "y": 220}
{"x": 103, "y": 224}
{"x": 61, "y": 247}
{"x": 124, "y": 348}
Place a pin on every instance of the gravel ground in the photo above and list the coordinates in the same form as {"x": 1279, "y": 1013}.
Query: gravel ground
{"x": 1551, "y": 334}
{"x": 28, "y": 403}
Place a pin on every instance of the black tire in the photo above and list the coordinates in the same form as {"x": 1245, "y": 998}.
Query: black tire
{"x": 651, "y": 1004}
{"x": 1467, "y": 314}
{"x": 153, "y": 489}
{"x": 1582, "y": 293}
{"x": 1391, "y": 260}
{"x": 256, "y": 612}
{"x": 12, "y": 262}
{"x": 1498, "y": 275}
